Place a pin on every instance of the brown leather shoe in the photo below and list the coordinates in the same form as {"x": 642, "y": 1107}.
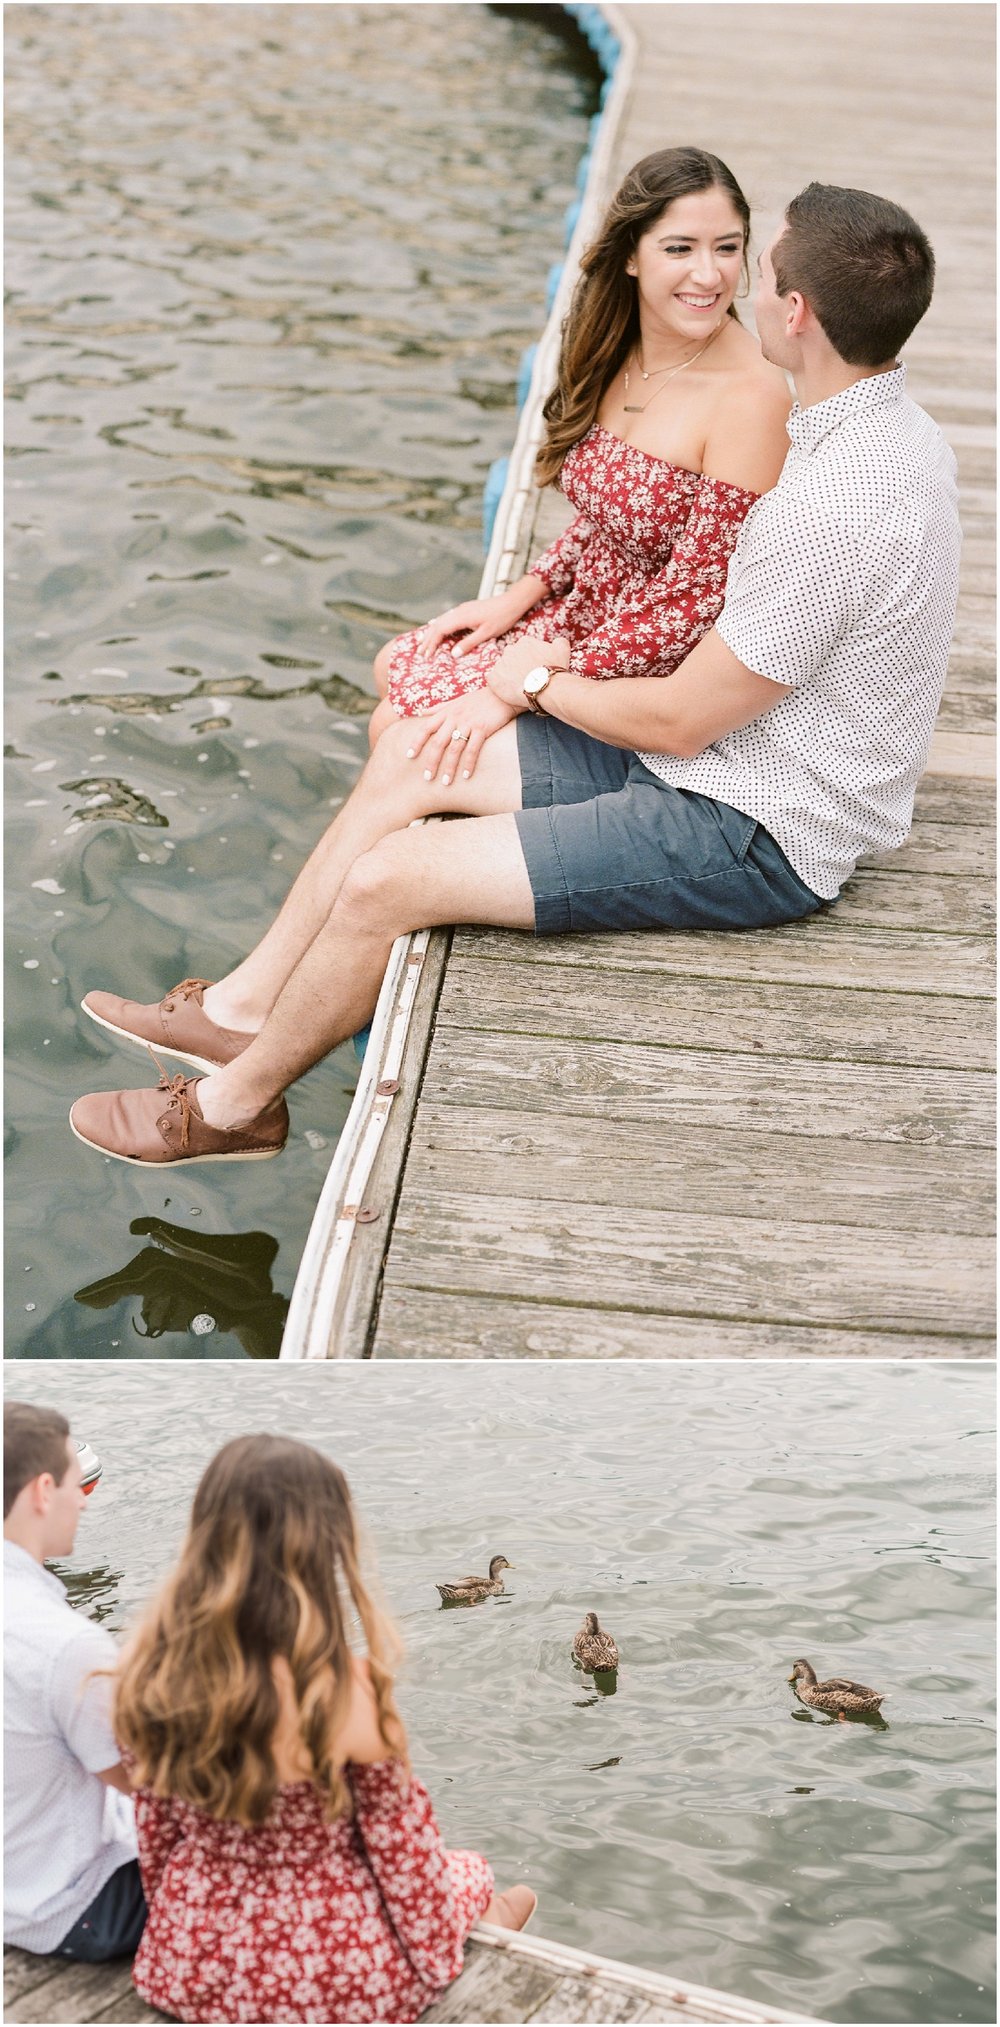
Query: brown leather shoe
{"x": 149, "y": 1128}
{"x": 177, "y": 1027}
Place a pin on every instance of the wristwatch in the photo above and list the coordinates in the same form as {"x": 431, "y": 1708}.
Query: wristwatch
{"x": 537, "y": 680}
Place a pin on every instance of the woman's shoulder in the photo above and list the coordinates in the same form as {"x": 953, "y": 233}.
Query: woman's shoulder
{"x": 747, "y": 375}
{"x": 747, "y": 440}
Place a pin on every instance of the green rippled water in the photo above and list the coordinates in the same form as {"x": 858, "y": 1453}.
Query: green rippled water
{"x": 270, "y": 273}
{"x": 722, "y": 1521}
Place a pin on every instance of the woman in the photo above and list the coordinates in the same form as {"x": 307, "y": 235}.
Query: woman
{"x": 665, "y": 425}
{"x": 290, "y": 1859}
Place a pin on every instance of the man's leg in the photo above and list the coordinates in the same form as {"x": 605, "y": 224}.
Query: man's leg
{"x": 389, "y": 795}
{"x": 113, "y": 1923}
{"x": 472, "y": 871}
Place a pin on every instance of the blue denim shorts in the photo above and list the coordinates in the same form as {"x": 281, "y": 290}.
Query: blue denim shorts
{"x": 113, "y": 1923}
{"x": 608, "y": 845}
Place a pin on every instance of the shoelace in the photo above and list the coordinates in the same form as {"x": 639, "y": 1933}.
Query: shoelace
{"x": 188, "y": 987}
{"x": 177, "y": 1087}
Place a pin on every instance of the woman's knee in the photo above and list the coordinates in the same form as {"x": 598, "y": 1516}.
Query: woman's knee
{"x": 381, "y": 667}
{"x": 378, "y": 724}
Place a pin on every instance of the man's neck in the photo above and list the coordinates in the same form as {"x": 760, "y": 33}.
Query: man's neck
{"x": 820, "y": 381}
{"x": 26, "y": 1538}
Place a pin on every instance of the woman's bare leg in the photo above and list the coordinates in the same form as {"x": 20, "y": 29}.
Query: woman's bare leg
{"x": 380, "y": 668}
{"x": 389, "y": 795}
{"x": 384, "y": 714}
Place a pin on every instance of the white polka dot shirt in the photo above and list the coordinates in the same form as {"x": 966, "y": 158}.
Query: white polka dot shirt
{"x": 65, "y": 1832}
{"x": 843, "y": 587}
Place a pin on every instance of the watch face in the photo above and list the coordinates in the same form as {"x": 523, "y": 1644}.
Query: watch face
{"x": 536, "y": 680}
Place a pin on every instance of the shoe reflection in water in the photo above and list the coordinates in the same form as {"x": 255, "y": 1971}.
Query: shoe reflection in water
{"x": 95, "y": 1591}
{"x": 195, "y": 1284}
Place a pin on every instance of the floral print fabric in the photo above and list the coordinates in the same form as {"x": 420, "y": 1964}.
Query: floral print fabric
{"x": 634, "y": 581}
{"x": 292, "y": 1921}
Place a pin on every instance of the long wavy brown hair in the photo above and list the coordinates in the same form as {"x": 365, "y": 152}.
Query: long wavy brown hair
{"x": 270, "y": 1567}
{"x": 603, "y": 322}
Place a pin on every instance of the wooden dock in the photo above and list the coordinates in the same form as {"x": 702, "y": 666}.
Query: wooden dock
{"x": 505, "y": 1978}
{"x": 776, "y": 1143}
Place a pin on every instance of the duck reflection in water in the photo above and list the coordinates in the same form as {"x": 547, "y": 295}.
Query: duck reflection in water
{"x": 198, "y": 1284}
{"x": 605, "y": 1682}
{"x": 871, "y": 1719}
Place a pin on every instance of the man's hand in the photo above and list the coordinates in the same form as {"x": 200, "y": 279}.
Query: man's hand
{"x": 507, "y": 675}
{"x": 452, "y": 737}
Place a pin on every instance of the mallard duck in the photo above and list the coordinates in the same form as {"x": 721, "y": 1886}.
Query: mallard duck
{"x": 838, "y": 1695}
{"x": 469, "y": 1590}
{"x": 593, "y": 1648}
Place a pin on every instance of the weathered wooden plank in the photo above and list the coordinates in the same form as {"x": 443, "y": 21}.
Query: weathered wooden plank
{"x": 131, "y": 2011}
{"x": 74, "y": 1993}
{"x": 690, "y": 1265}
{"x": 832, "y": 1024}
{"x": 972, "y": 670}
{"x": 23, "y": 1969}
{"x": 963, "y": 753}
{"x": 821, "y": 952}
{"x": 731, "y": 1175}
{"x": 933, "y": 847}
{"x": 685, "y": 1092}
{"x": 889, "y": 899}
{"x": 495, "y": 1986}
{"x": 585, "y": 1999}
{"x": 964, "y": 711}
{"x": 956, "y": 800}
{"x": 419, "y": 1323}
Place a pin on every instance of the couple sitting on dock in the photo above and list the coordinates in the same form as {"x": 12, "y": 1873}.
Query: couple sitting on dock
{"x": 230, "y": 1796}
{"x": 703, "y": 703}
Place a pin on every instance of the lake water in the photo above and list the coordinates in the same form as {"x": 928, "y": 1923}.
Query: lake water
{"x": 270, "y": 270}
{"x": 722, "y": 1521}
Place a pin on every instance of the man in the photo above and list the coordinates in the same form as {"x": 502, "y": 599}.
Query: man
{"x": 71, "y": 1876}
{"x": 736, "y": 793}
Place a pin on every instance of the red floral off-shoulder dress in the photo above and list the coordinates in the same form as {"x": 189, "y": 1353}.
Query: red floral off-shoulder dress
{"x": 359, "y": 1919}
{"x": 633, "y": 582}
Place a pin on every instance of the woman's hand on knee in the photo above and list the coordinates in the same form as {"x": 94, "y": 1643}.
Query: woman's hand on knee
{"x": 477, "y": 620}
{"x": 449, "y": 741}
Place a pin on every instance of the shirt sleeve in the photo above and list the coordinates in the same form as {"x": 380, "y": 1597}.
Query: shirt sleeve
{"x": 651, "y": 629}
{"x": 557, "y": 564}
{"x": 396, "y": 1827}
{"x": 795, "y": 588}
{"x": 82, "y": 1694}
{"x": 159, "y": 1827}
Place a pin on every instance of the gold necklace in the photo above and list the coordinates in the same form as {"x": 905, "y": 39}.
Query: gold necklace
{"x": 640, "y": 407}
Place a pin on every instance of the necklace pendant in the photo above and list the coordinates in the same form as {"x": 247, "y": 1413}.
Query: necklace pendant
{"x": 632, "y": 407}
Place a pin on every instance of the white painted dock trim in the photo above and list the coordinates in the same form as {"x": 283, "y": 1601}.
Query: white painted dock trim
{"x": 706, "y": 2003}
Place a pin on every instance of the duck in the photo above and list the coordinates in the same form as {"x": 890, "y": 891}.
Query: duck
{"x": 469, "y": 1590}
{"x": 593, "y": 1648}
{"x": 837, "y": 1695}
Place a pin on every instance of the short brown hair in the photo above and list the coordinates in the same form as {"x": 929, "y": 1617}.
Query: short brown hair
{"x": 34, "y": 1440}
{"x": 863, "y": 265}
